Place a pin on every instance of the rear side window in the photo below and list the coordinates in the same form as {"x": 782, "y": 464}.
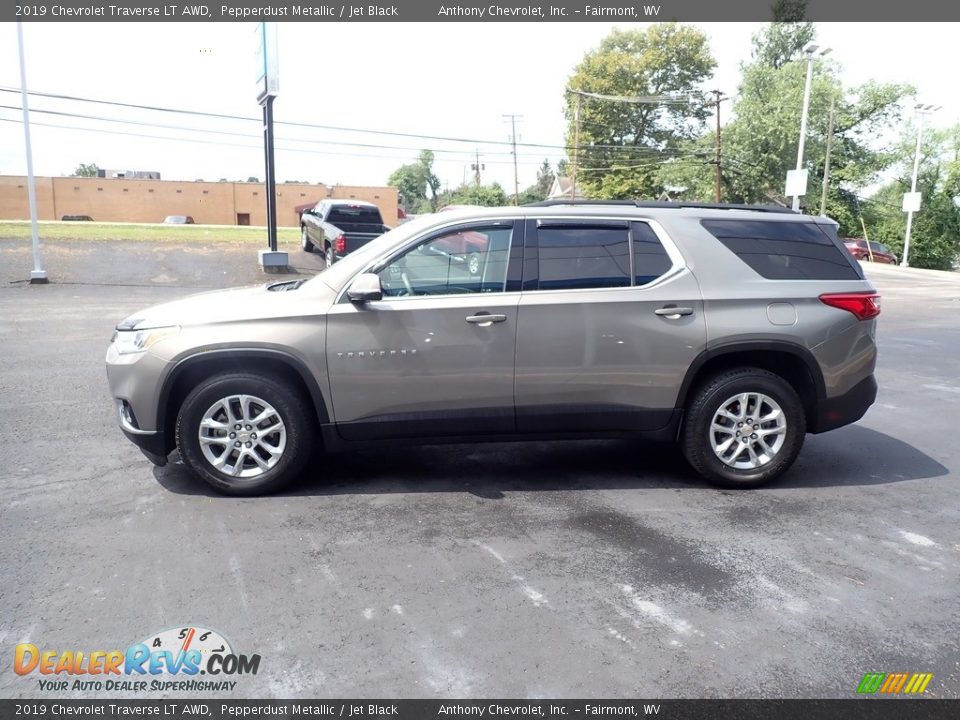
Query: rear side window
{"x": 784, "y": 250}
{"x": 650, "y": 260}
{"x": 583, "y": 256}
{"x": 348, "y": 214}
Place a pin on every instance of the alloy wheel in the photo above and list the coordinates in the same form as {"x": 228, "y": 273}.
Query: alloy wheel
{"x": 748, "y": 430}
{"x": 242, "y": 436}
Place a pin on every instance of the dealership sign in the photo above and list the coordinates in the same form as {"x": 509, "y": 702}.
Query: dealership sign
{"x": 266, "y": 63}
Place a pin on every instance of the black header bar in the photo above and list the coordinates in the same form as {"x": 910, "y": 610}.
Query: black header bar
{"x": 438, "y": 11}
{"x": 858, "y": 709}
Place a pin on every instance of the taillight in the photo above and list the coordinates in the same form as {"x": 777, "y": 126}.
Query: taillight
{"x": 863, "y": 305}
{"x": 340, "y": 245}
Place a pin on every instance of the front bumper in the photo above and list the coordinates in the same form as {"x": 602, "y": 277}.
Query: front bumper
{"x": 152, "y": 443}
{"x": 134, "y": 381}
{"x": 845, "y": 409}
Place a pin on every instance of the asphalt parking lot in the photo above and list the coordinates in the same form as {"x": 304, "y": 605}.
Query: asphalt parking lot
{"x": 584, "y": 569}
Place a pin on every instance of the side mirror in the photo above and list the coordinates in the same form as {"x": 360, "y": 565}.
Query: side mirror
{"x": 365, "y": 288}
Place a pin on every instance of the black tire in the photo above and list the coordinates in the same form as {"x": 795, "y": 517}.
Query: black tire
{"x": 328, "y": 256}
{"x": 305, "y": 243}
{"x": 707, "y": 400}
{"x": 293, "y": 412}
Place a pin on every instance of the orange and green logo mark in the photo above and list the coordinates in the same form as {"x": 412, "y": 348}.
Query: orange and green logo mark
{"x": 894, "y": 683}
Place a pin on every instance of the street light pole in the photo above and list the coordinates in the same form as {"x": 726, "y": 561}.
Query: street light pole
{"x": 812, "y": 54}
{"x": 38, "y": 276}
{"x": 921, "y": 111}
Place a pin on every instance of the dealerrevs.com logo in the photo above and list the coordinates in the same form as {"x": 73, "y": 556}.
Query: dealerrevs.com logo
{"x": 170, "y": 660}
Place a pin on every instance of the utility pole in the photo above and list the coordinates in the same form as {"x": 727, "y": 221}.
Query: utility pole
{"x": 718, "y": 176}
{"x": 826, "y": 163}
{"x": 576, "y": 144}
{"x": 513, "y": 140}
{"x": 477, "y": 167}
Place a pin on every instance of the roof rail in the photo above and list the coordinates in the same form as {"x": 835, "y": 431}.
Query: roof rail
{"x": 666, "y": 204}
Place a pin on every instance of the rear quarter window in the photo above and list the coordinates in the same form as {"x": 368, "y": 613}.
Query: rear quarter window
{"x": 785, "y": 250}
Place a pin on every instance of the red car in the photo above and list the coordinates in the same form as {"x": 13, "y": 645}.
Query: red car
{"x": 876, "y": 252}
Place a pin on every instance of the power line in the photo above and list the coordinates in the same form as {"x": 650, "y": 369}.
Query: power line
{"x": 289, "y": 123}
{"x": 198, "y": 141}
{"x": 662, "y": 99}
{"x": 250, "y": 135}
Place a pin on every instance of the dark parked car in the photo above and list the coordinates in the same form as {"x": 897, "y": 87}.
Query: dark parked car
{"x": 76, "y": 218}
{"x": 870, "y": 251}
{"x": 178, "y": 220}
{"x": 338, "y": 227}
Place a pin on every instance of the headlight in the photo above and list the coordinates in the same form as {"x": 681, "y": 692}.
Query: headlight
{"x": 136, "y": 341}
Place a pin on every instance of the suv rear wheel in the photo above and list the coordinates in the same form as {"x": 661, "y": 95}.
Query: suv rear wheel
{"x": 743, "y": 428}
{"x": 244, "y": 434}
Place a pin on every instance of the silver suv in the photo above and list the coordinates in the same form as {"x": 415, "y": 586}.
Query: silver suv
{"x": 734, "y": 330}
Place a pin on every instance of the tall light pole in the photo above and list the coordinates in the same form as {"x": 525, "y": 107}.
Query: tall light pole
{"x": 911, "y": 202}
{"x": 813, "y": 52}
{"x": 38, "y": 275}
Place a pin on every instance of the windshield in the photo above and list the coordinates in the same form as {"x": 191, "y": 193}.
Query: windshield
{"x": 342, "y": 271}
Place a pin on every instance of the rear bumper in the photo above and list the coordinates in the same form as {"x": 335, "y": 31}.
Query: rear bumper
{"x": 845, "y": 409}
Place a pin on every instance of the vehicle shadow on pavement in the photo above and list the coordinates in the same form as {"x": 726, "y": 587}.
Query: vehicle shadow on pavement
{"x": 851, "y": 456}
{"x": 857, "y": 455}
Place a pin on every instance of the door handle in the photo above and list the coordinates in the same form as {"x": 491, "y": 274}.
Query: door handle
{"x": 673, "y": 312}
{"x": 485, "y": 319}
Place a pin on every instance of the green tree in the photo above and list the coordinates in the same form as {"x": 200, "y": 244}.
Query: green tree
{"x": 84, "y": 170}
{"x": 782, "y": 40}
{"x": 540, "y": 189}
{"x": 622, "y": 143}
{"x": 760, "y": 142}
{"x": 935, "y": 235}
{"x": 471, "y": 194}
{"x": 417, "y": 183}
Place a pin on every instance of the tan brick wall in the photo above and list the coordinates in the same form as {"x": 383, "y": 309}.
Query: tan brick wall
{"x": 149, "y": 201}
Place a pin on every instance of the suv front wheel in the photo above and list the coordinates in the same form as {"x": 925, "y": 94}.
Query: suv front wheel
{"x": 244, "y": 434}
{"x": 743, "y": 428}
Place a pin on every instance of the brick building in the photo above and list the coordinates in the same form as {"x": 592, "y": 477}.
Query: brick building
{"x": 150, "y": 201}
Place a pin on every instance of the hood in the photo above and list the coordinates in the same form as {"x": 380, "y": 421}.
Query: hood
{"x": 286, "y": 298}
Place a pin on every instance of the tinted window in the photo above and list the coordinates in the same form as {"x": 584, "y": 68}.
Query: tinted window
{"x": 784, "y": 250}
{"x": 466, "y": 261}
{"x": 351, "y": 214}
{"x": 583, "y": 256}
{"x": 650, "y": 260}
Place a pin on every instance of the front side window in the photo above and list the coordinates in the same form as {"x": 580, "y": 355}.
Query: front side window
{"x": 470, "y": 260}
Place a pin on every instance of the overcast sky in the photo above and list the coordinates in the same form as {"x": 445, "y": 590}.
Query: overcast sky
{"x": 437, "y": 79}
